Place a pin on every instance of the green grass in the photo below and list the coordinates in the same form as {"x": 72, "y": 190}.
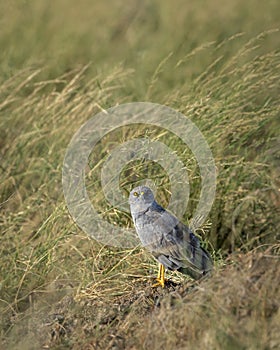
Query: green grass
{"x": 63, "y": 63}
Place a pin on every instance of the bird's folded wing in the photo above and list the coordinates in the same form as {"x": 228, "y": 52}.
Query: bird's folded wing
{"x": 180, "y": 249}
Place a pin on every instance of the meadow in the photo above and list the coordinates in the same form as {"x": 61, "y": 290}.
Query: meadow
{"x": 61, "y": 63}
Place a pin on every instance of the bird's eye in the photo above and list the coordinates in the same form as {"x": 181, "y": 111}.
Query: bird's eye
{"x": 135, "y": 194}
{"x": 142, "y": 193}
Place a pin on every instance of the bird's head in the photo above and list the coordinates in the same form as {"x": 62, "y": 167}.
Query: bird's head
{"x": 140, "y": 199}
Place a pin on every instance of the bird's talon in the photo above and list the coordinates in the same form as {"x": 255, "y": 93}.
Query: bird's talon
{"x": 160, "y": 278}
{"x": 158, "y": 283}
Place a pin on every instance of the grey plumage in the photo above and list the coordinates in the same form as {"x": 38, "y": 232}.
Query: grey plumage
{"x": 171, "y": 242}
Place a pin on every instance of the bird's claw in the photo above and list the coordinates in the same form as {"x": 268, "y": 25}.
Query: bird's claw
{"x": 160, "y": 282}
{"x": 160, "y": 278}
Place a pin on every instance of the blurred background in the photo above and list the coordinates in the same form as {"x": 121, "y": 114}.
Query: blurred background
{"x": 137, "y": 34}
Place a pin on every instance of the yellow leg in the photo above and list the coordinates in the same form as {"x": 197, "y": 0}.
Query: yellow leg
{"x": 160, "y": 277}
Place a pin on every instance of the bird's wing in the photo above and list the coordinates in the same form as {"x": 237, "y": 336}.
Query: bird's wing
{"x": 180, "y": 250}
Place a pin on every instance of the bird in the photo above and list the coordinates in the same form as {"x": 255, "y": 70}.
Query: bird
{"x": 172, "y": 243}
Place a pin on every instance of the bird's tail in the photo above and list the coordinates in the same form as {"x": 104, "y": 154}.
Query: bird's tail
{"x": 201, "y": 265}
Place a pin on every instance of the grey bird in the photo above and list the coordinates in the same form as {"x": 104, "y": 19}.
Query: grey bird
{"x": 171, "y": 242}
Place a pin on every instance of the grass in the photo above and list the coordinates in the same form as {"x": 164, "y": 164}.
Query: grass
{"x": 217, "y": 65}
